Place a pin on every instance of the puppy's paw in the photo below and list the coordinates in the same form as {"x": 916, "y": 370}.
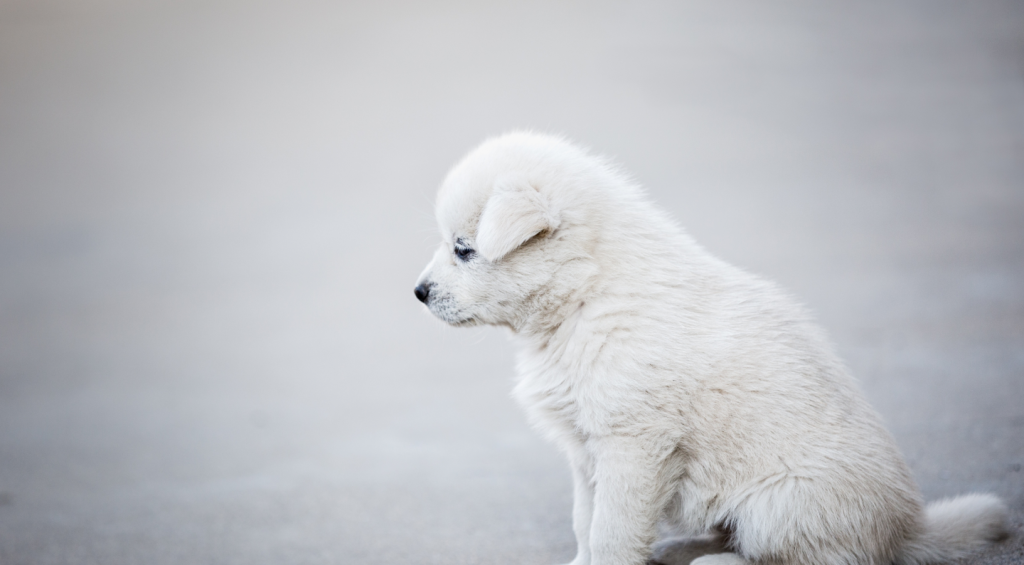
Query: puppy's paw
{"x": 720, "y": 559}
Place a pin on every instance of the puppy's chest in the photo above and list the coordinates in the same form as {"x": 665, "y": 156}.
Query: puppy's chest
{"x": 558, "y": 402}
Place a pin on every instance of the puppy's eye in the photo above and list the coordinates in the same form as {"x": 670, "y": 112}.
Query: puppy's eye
{"x": 464, "y": 253}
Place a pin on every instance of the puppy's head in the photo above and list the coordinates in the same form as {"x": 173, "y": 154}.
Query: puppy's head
{"x": 507, "y": 235}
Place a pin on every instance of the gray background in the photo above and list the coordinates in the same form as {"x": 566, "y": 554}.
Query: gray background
{"x": 212, "y": 215}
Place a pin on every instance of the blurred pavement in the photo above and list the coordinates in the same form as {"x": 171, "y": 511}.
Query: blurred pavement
{"x": 212, "y": 215}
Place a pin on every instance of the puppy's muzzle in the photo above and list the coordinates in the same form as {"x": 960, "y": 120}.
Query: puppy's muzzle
{"x": 423, "y": 291}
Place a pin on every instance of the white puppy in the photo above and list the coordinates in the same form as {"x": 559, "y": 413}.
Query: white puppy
{"x": 681, "y": 388}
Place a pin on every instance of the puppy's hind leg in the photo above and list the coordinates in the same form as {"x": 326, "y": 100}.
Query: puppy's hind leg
{"x": 721, "y": 559}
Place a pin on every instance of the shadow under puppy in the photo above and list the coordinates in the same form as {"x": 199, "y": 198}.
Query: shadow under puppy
{"x": 682, "y": 389}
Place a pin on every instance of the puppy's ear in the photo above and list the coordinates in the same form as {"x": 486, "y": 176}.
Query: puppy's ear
{"x": 515, "y": 213}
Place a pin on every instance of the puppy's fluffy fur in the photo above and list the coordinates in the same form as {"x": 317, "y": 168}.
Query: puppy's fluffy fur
{"x": 682, "y": 389}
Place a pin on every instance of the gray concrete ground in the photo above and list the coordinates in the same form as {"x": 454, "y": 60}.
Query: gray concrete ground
{"x": 212, "y": 215}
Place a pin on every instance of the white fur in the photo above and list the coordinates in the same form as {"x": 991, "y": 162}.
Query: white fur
{"x": 681, "y": 388}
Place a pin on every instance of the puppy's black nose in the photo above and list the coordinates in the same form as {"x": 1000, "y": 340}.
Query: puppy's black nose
{"x": 423, "y": 292}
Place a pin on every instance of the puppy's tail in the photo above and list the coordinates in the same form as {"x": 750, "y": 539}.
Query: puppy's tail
{"x": 956, "y": 527}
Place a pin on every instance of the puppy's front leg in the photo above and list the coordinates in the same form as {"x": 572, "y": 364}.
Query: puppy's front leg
{"x": 628, "y": 496}
{"x": 582, "y": 503}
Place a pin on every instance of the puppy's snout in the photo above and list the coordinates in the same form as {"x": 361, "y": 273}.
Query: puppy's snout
{"x": 423, "y": 291}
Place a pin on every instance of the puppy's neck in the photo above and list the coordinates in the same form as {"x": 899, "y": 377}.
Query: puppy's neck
{"x": 552, "y": 315}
